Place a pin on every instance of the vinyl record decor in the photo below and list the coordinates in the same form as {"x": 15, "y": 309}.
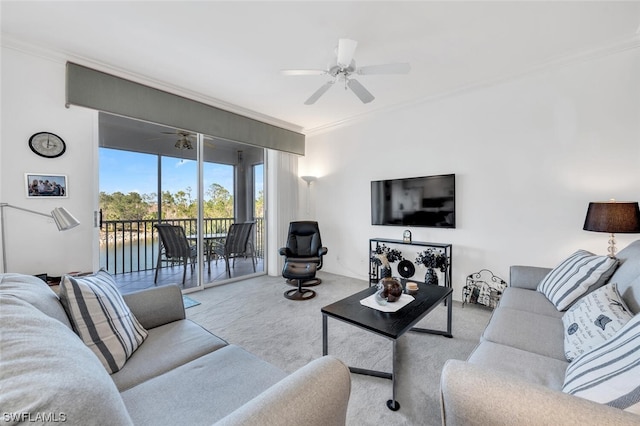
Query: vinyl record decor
{"x": 406, "y": 269}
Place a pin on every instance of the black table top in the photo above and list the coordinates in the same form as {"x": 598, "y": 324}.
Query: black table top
{"x": 389, "y": 324}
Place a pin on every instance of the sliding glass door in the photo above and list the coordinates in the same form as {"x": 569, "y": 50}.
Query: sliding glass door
{"x": 152, "y": 174}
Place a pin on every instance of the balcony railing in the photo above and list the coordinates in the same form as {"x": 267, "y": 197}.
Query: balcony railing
{"x": 132, "y": 245}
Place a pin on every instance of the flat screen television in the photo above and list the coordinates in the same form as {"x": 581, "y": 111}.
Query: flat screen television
{"x": 428, "y": 201}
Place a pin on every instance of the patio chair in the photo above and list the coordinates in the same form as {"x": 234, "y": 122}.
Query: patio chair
{"x": 174, "y": 248}
{"x": 237, "y": 244}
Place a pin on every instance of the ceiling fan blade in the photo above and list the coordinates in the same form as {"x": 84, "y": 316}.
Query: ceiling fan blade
{"x": 179, "y": 133}
{"x": 362, "y": 93}
{"x": 303, "y": 72}
{"x": 346, "y": 49}
{"x": 398, "y": 68}
{"x": 313, "y": 98}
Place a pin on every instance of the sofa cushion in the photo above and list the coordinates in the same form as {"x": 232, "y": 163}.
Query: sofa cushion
{"x": 202, "y": 391}
{"x": 530, "y": 332}
{"x": 101, "y": 318}
{"x": 179, "y": 342}
{"x": 534, "y": 368}
{"x": 610, "y": 373}
{"x": 528, "y": 300}
{"x": 36, "y": 292}
{"x": 593, "y": 319}
{"x": 580, "y": 273}
{"x": 46, "y": 372}
{"x": 627, "y": 276}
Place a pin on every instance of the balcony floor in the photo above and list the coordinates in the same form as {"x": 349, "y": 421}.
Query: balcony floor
{"x": 134, "y": 281}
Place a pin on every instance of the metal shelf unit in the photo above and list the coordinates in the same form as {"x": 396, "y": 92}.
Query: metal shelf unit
{"x": 374, "y": 269}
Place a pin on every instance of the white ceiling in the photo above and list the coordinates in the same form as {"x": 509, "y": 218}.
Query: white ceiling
{"x": 230, "y": 53}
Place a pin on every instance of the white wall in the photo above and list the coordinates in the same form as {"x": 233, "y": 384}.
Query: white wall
{"x": 528, "y": 156}
{"x": 33, "y": 98}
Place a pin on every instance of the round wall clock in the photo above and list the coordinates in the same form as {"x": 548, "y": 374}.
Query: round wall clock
{"x": 47, "y": 145}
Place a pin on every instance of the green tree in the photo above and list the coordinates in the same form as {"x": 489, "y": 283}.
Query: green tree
{"x": 118, "y": 206}
{"x": 178, "y": 205}
{"x": 259, "y": 204}
{"x": 220, "y": 202}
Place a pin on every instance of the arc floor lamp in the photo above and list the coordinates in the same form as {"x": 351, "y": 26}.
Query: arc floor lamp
{"x": 63, "y": 219}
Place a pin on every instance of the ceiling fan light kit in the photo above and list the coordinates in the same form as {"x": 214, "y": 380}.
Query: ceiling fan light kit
{"x": 183, "y": 143}
{"x": 344, "y": 69}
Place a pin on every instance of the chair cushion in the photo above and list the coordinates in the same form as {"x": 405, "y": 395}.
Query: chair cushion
{"x": 577, "y": 275}
{"x": 593, "y": 319}
{"x": 299, "y": 270}
{"x": 101, "y": 318}
{"x": 610, "y": 373}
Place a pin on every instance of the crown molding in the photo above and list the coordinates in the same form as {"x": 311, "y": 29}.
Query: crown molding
{"x": 61, "y": 57}
{"x": 595, "y": 53}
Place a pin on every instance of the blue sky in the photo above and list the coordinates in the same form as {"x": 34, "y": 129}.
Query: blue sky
{"x": 126, "y": 172}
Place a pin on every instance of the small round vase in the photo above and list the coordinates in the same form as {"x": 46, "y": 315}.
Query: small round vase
{"x": 431, "y": 277}
{"x": 391, "y": 289}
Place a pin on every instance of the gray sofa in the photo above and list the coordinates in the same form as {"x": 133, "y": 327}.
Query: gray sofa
{"x": 181, "y": 374}
{"x": 516, "y": 373}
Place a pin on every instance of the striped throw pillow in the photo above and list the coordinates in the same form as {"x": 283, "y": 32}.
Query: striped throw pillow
{"x": 102, "y": 319}
{"x": 577, "y": 275}
{"x": 609, "y": 374}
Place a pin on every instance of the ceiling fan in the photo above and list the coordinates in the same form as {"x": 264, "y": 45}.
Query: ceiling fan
{"x": 183, "y": 141}
{"x": 344, "y": 70}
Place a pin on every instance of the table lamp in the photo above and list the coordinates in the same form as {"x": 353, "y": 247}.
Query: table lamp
{"x": 63, "y": 219}
{"x": 613, "y": 217}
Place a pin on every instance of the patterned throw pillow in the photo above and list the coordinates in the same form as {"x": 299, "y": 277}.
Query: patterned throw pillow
{"x": 610, "y": 373}
{"x": 102, "y": 319}
{"x": 578, "y": 274}
{"x": 593, "y": 319}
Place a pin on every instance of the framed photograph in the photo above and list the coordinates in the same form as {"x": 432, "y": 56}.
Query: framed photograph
{"x": 46, "y": 185}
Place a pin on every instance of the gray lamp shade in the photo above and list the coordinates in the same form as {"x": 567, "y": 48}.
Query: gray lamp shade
{"x": 64, "y": 220}
{"x": 613, "y": 216}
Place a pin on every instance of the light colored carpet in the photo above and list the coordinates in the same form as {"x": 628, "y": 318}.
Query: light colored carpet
{"x": 255, "y": 315}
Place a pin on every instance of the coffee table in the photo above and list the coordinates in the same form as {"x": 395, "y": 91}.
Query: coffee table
{"x": 390, "y": 325}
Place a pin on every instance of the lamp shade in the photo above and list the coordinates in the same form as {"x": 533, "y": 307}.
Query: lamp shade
{"x": 613, "y": 217}
{"x": 64, "y": 220}
{"x": 309, "y": 179}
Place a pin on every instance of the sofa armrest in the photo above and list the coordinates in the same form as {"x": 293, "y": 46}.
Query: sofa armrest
{"x": 156, "y": 306}
{"x": 473, "y": 395}
{"x": 526, "y": 276}
{"x": 315, "y": 395}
